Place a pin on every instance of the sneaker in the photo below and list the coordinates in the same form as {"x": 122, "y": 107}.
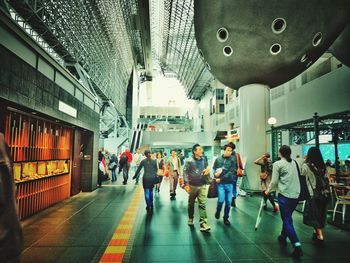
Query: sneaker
{"x": 217, "y": 215}
{"x": 297, "y": 253}
{"x": 226, "y": 222}
{"x": 275, "y": 208}
{"x": 190, "y": 222}
{"x": 205, "y": 227}
{"x": 282, "y": 240}
{"x": 233, "y": 202}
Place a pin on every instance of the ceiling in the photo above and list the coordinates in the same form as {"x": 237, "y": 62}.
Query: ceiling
{"x": 109, "y": 38}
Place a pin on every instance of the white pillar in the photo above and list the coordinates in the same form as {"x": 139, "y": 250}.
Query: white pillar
{"x": 254, "y": 113}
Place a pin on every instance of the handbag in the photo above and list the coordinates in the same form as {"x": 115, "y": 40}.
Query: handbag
{"x": 239, "y": 164}
{"x": 304, "y": 192}
{"x": 263, "y": 175}
{"x": 322, "y": 190}
{"x": 213, "y": 190}
{"x": 155, "y": 180}
{"x": 112, "y": 165}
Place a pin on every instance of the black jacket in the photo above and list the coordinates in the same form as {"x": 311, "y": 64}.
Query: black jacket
{"x": 150, "y": 172}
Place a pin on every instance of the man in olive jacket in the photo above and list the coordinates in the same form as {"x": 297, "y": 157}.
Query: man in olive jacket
{"x": 11, "y": 239}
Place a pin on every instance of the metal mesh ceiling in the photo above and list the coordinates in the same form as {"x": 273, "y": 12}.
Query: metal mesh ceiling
{"x": 99, "y": 35}
{"x": 174, "y": 45}
{"x": 102, "y": 36}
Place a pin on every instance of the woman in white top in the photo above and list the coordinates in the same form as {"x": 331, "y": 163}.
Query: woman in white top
{"x": 285, "y": 179}
{"x": 315, "y": 212}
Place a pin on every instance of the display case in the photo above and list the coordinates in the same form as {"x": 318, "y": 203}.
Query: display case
{"x": 26, "y": 171}
{"x": 42, "y": 151}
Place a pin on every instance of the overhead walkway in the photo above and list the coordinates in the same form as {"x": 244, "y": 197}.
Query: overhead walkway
{"x": 111, "y": 225}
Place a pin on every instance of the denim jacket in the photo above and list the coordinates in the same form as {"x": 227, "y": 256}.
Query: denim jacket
{"x": 229, "y": 168}
{"x": 193, "y": 171}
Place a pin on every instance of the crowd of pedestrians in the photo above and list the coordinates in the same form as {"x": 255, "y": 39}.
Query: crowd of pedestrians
{"x": 193, "y": 175}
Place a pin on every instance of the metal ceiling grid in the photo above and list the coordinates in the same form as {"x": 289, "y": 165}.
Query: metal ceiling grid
{"x": 99, "y": 35}
{"x": 174, "y": 44}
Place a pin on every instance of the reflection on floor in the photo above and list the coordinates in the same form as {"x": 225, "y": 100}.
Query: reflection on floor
{"x": 79, "y": 230}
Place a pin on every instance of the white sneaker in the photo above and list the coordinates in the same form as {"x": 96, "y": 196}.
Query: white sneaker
{"x": 241, "y": 192}
{"x": 205, "y": 227}
{"x": 190, "y": 222}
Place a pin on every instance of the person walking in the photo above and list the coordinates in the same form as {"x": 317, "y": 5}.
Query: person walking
{"x": 101, "y": 168}
{"x": 240, "y": 166}
{"x": 285, "y": 179}
{"x": 108, "y": 157}
{"x": 175, "y": 170}
{"x": 149, "y": 178}
{"x": 11, "y": 237}
{"x": 265, "y": 164}
{"x": 160, "y": 170}
{"x": 113, "y": 166}
{"x": 137, "y": 158}
{"x": 315, "y": 212}
{"x": 196, "y": 175}
{"x": 225, "y": 171}
{"x": 125, "y": 160}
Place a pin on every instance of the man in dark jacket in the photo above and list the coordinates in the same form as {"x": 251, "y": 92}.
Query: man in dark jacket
{"x": 149, "y": 178}
{"x": 124, "y": 164}
{"x": 11, "y": 239}
{"x": 196, "y": 176}
{"x": 225, "y": 173}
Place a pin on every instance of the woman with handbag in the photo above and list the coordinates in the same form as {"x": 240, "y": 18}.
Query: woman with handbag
{"x": 265, "y": 178}
{"x": 160, "y": 170}
{"x": 149, "y": 178}
{"x": 285, "y": 179}
{"x": 315, "y": 211}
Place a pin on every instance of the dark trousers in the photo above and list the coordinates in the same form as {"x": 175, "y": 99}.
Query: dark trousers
{"x": 271, "y": 199}
{"x": 287, "y": 207}
{"x": 126, "y": 169}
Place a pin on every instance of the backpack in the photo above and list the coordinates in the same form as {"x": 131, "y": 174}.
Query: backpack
{"x": 123, "y": 160}
{"x": 322, "y": 190}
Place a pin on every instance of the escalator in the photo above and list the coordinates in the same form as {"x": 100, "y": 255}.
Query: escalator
{"x": 137, "y": 137}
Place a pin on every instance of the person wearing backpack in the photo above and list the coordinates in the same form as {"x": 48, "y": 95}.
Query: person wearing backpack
{"x": 315, "y": 213}
{"x": 124, "y": 164}
{"x": 113, "y": 166}
{"x": 285, "y": 179}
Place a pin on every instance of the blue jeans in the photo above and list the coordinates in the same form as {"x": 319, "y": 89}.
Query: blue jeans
{"x": 224, "y": 194}
{"x": 234, "y": 188}
{"x": 287, "y": 207}
{"x": 149, "y": 197}
{"x": 114, "y": 175}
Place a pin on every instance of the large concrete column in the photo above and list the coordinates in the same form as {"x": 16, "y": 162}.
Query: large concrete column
{"x": 254, "y": 113}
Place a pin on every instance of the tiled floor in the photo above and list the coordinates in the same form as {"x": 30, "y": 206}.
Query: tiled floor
{"x": 79, "y": 229}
